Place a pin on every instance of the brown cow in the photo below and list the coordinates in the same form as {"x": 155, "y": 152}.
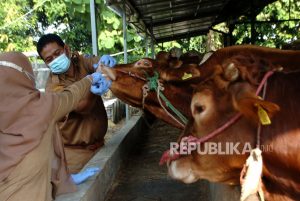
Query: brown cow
{"x": 229, "y": 79}
{"x": 129, "y": 80}
{"x": 192, "y": 56}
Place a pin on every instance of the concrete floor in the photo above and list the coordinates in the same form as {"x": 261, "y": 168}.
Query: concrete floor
{"x": 142, "y": 179}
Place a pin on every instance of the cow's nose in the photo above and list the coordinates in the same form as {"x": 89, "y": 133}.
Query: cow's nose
{"x": 109, "y": 72}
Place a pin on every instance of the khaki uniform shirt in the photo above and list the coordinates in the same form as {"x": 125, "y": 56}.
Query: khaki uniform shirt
{"x": 83, "y": 133}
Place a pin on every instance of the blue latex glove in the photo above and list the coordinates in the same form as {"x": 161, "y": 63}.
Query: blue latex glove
{"x": 84, "y": 175}
{"x": 97, "y": 76}
{"x": 100, "y": 85}
{"x": 108, "y": 60}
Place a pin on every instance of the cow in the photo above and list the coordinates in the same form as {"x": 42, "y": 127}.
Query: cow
{"x": 227, "y": 88}
{"x": 192, "y": 56}
{"x": 129, "y": 81}
{"x": 295, "y": 45}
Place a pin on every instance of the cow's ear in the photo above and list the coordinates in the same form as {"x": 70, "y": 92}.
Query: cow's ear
{"x": 251, "y": 106}
{"x": 230, "y": 71}
{"x": 256, "y": 109}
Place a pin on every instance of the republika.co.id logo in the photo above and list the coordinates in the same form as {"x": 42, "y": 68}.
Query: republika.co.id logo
{"x": 212, "y": 148}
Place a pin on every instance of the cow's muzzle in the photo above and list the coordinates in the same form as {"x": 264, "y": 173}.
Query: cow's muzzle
{"x": 107, "y": 71}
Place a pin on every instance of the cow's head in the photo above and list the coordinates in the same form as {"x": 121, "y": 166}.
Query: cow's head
{"x": 129, "y": 79}
{"x": 226, "y": 88}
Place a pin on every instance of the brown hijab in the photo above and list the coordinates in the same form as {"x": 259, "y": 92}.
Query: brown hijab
{"x": 25, "y": 113}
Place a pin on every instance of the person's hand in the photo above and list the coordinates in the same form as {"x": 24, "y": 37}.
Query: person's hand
{"x": 97, "y": 76}
{"x": 84, "y": 175}
{"x": 107, "y": 61}
{"x": 100, "y": 84}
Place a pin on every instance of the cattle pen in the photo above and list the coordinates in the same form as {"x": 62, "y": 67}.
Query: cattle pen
{"x": 130, "y": 170}
{"x": 129, "y": 160}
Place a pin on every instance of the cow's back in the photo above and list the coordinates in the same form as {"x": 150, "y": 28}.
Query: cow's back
{"x": 288, "y": 59}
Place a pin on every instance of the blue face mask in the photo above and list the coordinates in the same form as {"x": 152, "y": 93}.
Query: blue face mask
{"x": 60, "y": 64}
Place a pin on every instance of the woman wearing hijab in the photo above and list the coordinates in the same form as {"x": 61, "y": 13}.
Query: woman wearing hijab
{"x": 32, "y": 159}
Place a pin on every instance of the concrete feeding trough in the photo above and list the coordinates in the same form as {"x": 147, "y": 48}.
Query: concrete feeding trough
{"x": 109, "y": 159}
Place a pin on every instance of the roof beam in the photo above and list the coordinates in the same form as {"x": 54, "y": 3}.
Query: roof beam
{"x": 267, "y": 21}
{"x": 191, "y": 22}
{"x": 182, "y": 27}
{"x": 180, "y": 36}
{"x": 179, "y": 31}
{"x": 183, "y": 7}
{"x": 185, "y": 18}
{"x": 154, "y": 2}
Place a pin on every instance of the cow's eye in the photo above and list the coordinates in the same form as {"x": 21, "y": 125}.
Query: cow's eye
{"x": 199, "y": 108}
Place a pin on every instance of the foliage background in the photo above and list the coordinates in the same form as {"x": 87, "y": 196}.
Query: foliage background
{"x": 22, "y": 22}
{"x": 273, "y": 34}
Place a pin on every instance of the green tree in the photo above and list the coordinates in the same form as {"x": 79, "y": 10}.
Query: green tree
{"x": 17, "y": 25}
{"x": 70, "y": 19}
{"x": 22, "y": 22}
{"x": 278, "y": 30}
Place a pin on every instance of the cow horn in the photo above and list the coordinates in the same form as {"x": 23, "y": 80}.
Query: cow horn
{"x": 231, "y": 73}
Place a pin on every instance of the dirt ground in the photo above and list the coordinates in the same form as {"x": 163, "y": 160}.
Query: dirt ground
{"x": 142, "y": 179}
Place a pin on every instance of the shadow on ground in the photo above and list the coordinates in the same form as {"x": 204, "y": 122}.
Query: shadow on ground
{"x": 142, "y": 179}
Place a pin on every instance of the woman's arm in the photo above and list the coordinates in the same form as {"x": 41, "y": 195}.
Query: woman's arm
{"x": 71, "y": 96}
{"x": 86, "y": 104}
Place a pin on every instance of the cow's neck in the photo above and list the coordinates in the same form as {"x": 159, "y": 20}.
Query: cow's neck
{"x": 282, "y": 137}
{"x": 180, "y": 98}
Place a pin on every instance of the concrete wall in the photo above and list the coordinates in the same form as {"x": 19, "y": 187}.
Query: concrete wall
{"x": 109, "y": 159}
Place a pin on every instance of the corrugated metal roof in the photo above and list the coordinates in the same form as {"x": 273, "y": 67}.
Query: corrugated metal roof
{"x": 168, "y": 20}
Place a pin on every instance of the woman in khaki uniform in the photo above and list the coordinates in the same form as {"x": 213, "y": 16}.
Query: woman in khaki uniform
{"x": 32, "y": 157}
